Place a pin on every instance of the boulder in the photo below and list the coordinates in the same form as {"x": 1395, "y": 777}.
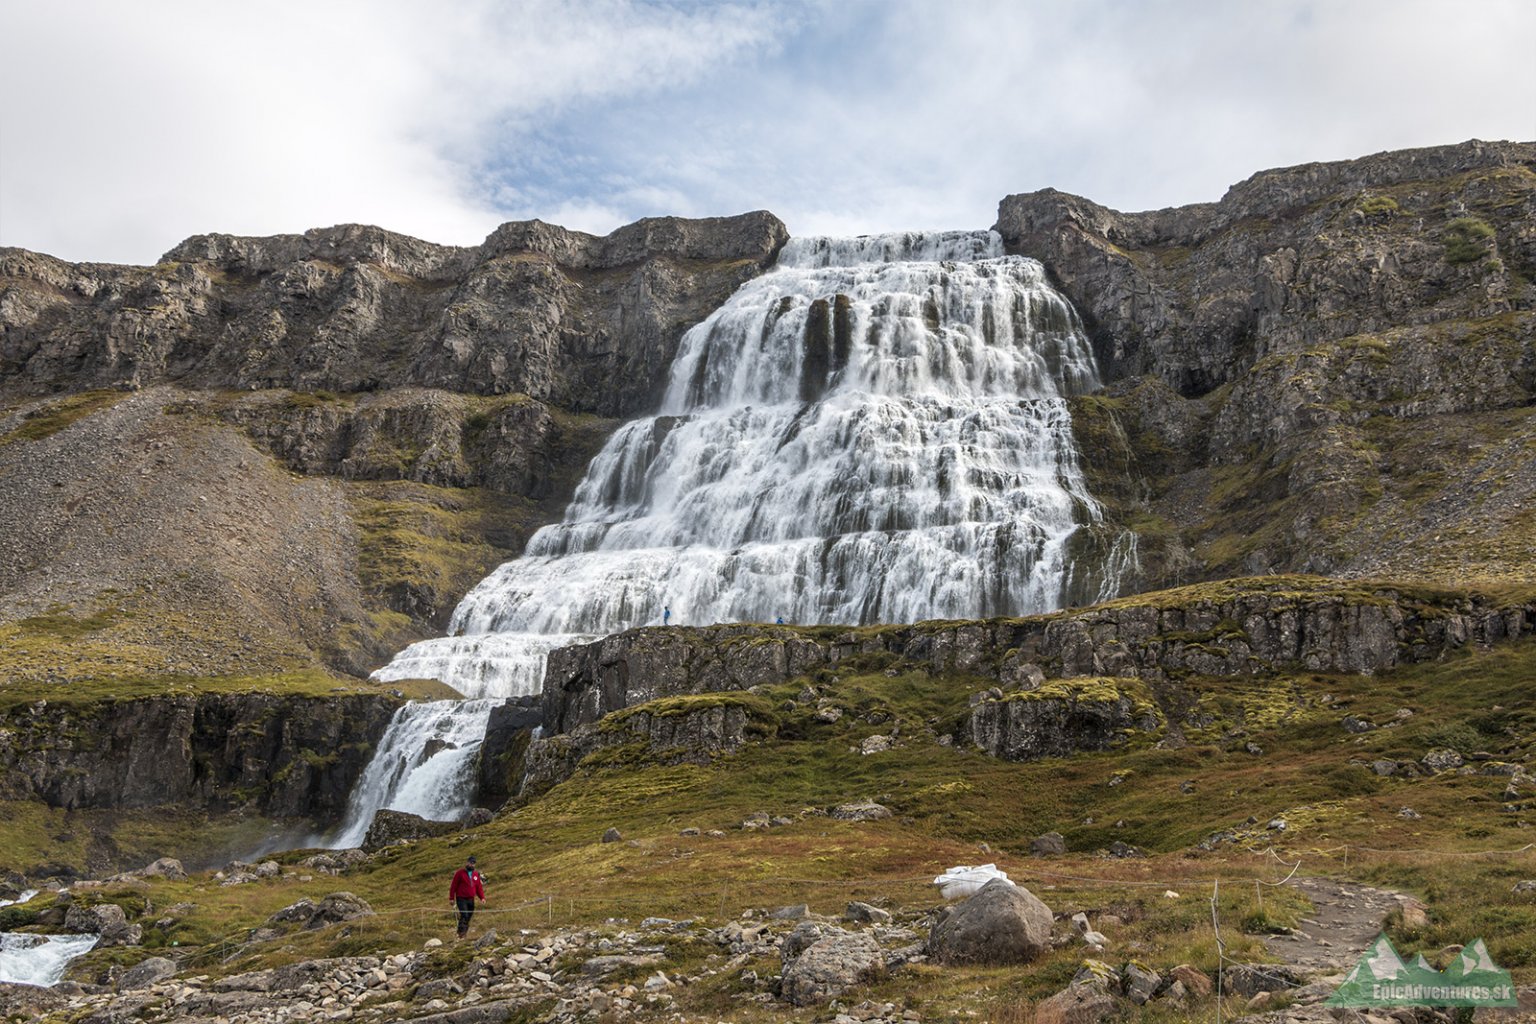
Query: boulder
{"x": 612, "y": 835}
{"x": 106, "y": 920}
{"x": 863, "y": 913}
{"x": 1442, "y": 759}
{"x": 476, "y": 817}
{"x": 831, "y": 966}
{"x": 165, "y": 867}
{"x": 146, "y": 973}
{"x": 1052, "y": 844}
{"x": 861, "y": 810}
{"x": 1139, "y": 982}
{"x": 338, "y": 907}
{"x": 1088, "y": 999}
{"x": 294, "y": 913}
{"x": 333, "y": 909}
{"x": 391, "y": 827}
{"x": 1002, "y": 923}
{"x": 1195, "y": 981}
{"x": 1248, "y": 980}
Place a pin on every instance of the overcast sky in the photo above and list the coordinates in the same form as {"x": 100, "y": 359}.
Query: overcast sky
{"x": 125, "y": 127}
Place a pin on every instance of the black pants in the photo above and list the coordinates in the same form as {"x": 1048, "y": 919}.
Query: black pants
{"x": 466, "y": 911}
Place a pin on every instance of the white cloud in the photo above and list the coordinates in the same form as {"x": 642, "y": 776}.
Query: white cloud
{"x": 144, "y": 123}
{"x": 130, "y": 126}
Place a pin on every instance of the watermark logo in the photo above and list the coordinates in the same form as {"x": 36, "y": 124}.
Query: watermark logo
{"x": 1383, "y": 978}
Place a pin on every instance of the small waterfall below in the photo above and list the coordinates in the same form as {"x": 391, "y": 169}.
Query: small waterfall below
{"x": 874, "y": 431}
{"x": 40, "y": 959}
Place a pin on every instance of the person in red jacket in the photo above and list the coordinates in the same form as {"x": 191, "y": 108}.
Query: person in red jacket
{"x": 466, "y": 888}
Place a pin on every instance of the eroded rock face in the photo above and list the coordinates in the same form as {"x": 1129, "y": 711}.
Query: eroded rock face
{"x": 1002, "y": 923}
{"x": 1033, "y": 724}
{"x": 285, "y": 756}
{"x": 1196, "y": 294}
{"x": 694, "y": 735}
{"x": 585, "y": 682}
{"x": 1307, "y": 376}
{"x": 583, "y": 322}
{"x": 1247, "y": 628}
{"x": 389, "y": 827}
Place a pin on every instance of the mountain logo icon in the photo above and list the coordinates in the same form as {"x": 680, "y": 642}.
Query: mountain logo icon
{"x": 1383, "y": 978}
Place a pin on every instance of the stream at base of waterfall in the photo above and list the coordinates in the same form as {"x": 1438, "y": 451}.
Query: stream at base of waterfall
{"x": 876, "y": 430}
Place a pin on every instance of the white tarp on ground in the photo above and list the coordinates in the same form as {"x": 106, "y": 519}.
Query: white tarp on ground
{"x": 965, "y": 880}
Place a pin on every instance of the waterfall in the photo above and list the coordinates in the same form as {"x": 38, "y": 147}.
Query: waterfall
{"x": 40, "y": 959}
{"x": 874, "y": 431}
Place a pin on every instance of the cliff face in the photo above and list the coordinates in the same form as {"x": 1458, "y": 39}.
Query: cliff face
{"x": 1239, "y": 628}
{"x": 1075, "y": 680}
{"x": 285, "y": 757}
{"x": 1313, "y": 373}
{"x": 584, "y": 323}
{"x": 1288, "y": 259}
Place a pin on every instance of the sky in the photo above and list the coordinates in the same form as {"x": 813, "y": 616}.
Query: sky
{"x": 127, "y": 127}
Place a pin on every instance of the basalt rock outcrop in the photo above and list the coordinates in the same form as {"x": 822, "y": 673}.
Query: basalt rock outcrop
{"x": 286, "y": 757}
{"x": 1060, "y": 719}
{"x": 585, "y": 682}
{"x": 1287, "y": 259}
{"x": 694, "y": 729}
{"x": 1242, "y": 627}
{"x": 1314, "y": 373}
{"x": 1074, "y": 681}
{"x": 581, "y": 322}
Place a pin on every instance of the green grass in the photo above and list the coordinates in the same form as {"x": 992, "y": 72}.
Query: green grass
{"x": 948, "y": 801}
{"x": 1467, "y": 240}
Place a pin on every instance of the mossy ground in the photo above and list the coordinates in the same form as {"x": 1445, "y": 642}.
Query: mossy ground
{"x": 546, "y": 865}
{"x": 51, "y": 417}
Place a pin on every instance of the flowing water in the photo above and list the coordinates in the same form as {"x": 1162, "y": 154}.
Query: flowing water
{"x": 40, "y": 959}
{"x": 874, "y": 431}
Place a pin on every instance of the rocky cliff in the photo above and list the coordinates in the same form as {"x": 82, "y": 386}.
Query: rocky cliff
{"x": 1314, "y": 373}
{"x": 1075, "y": 681}
{"x": 584, "y": 323}
{"x": 281, "y": 756}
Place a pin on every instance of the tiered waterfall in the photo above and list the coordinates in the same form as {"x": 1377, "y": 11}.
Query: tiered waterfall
{"x": 874, "y": 431}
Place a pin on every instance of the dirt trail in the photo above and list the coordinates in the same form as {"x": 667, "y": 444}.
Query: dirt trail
{"x": 1345, "y": 920}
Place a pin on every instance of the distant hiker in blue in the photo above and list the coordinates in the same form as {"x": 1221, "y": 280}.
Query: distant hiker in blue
{"x": 666, "y": 616}
{"x": 780, "y": 621}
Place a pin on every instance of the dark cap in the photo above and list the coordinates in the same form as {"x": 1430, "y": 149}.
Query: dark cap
{"x": 470, "y": 860}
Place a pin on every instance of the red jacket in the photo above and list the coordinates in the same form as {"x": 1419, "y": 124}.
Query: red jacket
{"x": 466, "y": 884}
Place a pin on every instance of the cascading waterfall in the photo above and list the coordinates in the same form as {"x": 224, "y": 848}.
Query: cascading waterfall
{"x": 40, "y": 959}
{"x": 874, "y": 431}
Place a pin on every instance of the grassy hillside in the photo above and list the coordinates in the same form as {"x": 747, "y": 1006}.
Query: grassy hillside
{"x": 548, "y": 869}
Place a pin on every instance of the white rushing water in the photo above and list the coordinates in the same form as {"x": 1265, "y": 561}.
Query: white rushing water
{"x": 22, "y": 897}
{"x": 874, "y": 431}
{"x": 40, "y": 959}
